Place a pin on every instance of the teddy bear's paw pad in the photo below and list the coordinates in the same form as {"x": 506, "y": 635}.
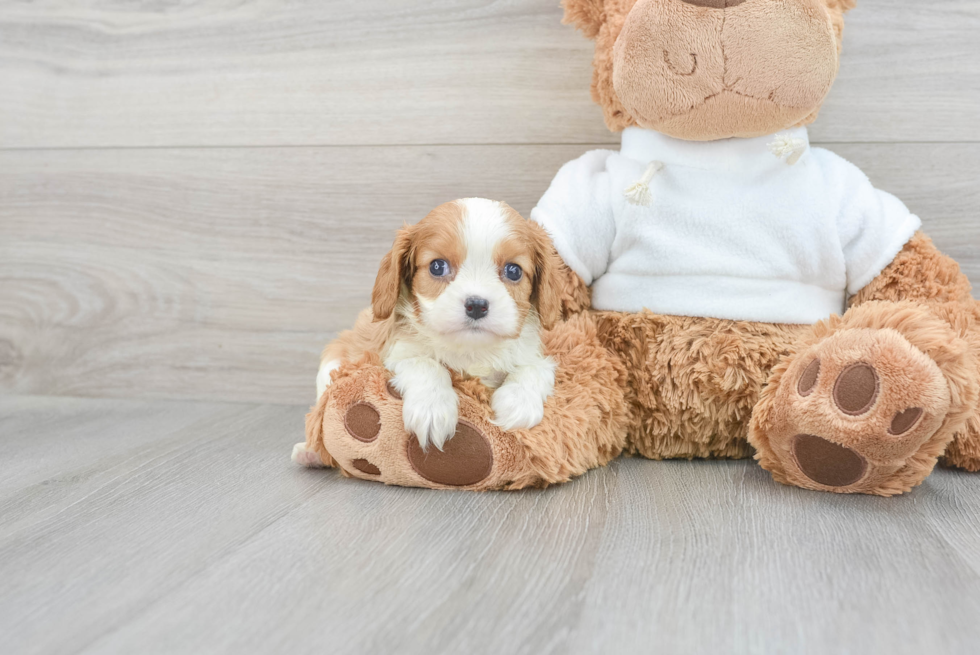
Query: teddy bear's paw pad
{"x": 828, "y": 463}
{"x": 365, "y": 467}
{"x": 809, "y": 378}
{"x": 465, "y": 460}
{"x": 856, "y": 389}
{"x": 363, "y": 422}
{"x": 905, "y": 421}
{"x": 854, "y": 408}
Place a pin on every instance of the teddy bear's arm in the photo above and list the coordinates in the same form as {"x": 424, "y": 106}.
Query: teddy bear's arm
{"x": 577, "y": 213}
{"x": 918, "y": 272}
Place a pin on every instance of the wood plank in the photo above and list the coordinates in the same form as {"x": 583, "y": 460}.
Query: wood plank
{"x": 760, "y": 567}
{"x": 939, "y": 183}
{"x": 952, "y": 508}
{"x": 221, "y": 273}
{"x": 42, "y": 438}
{"x": 216, "y": 543}
{"x": 214, "y": 272}
{"x": 908, "y": 73}
{"x": 115, "y": 527}
{"x": 331, "y": 72}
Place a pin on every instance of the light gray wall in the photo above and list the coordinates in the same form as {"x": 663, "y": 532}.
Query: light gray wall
{"x": 194, "y": 198}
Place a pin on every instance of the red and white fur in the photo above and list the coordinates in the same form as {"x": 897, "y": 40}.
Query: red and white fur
{"x": 422, "y": 321}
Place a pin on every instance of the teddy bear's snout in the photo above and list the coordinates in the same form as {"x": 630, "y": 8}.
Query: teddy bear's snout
{"x": 732, "y": 65}
{"x": 714, "y": 4}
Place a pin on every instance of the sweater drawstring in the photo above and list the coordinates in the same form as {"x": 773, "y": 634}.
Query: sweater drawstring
{"x": 639, "y": 193}
{"x": 788, "y": 148}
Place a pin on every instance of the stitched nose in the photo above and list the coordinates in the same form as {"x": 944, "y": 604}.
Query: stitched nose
{"x": 714, "y": 4}
{"x": 476, "y": 308}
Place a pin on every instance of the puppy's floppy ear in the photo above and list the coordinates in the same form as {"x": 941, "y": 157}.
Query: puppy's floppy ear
{"x": 395, "y": 267}
{"x": 547, "y": 267}
{"x": 589, "y": 15}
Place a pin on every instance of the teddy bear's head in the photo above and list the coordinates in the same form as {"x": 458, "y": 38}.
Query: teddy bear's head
{"x": 711, "y": 69}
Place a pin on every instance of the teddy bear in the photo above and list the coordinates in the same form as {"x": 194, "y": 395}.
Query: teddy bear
{"x": 727, "y": 290}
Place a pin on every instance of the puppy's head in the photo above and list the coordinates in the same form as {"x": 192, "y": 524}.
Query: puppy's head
{"x": 471, "y": 272}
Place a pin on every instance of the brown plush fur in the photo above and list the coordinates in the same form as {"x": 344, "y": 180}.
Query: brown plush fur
{"x": 919, "y": 272}
{"x": 676, "y": 387}
{"x": 693, "y": 381}
{"x": 573, "y": 294}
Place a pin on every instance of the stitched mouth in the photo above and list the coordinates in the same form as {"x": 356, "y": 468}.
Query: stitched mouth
{"x": 679, "y": 71}
{"x": 707, "y": 99}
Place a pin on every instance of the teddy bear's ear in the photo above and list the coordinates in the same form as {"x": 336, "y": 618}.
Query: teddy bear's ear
{"x": 588, "y": 15}
{"x": 837, "y": 9}
{"x": 841, "y": 5}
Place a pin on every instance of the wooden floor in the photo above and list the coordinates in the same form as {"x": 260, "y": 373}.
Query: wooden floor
{"x": 182, "y": 527}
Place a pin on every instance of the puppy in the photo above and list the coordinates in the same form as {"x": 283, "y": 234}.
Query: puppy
{"x": 468, "y": 288}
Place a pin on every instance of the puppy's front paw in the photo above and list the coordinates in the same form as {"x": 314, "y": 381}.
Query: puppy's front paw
{"x": 516, "y": 407}
{"x": 431, "y": 415}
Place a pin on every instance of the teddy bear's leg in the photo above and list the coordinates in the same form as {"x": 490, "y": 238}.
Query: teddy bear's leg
{"x": 869, "y": 401}
{"x": 357, "y": 424}
{"x": 921, "y": 272}
{"x": 693, "y": 381}
{"x": 963, "y": 451}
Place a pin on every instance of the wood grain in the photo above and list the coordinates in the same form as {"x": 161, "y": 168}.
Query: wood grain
{"x": 132, "y": 520}
{"x": 334, "y": 72}
{"x": 198, "y": 535}
{"x": 221, "y": 273}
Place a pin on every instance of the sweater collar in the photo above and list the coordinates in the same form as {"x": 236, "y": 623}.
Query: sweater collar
{"x": 646, "y": 146}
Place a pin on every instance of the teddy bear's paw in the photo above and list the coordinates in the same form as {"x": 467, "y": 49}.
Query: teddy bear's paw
{"x": 364, "y": 432}
{"x": 853, "y": 414}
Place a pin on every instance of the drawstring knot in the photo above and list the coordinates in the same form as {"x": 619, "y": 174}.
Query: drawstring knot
{"x": 788, "y": 148}
{"x": 639, "y": 193}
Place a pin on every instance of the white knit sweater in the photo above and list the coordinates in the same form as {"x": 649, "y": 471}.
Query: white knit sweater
{"x": 732, "y": 229}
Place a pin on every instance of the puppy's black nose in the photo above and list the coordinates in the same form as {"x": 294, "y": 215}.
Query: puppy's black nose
{"x": 476, "y": 308}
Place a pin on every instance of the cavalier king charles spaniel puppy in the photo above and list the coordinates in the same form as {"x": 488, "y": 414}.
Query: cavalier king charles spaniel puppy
{"x": 468, "y": 288}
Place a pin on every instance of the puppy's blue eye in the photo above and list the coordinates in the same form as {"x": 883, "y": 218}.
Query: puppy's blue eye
{"x": 513, "y": 272}
{"x": 439, "y": 268}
